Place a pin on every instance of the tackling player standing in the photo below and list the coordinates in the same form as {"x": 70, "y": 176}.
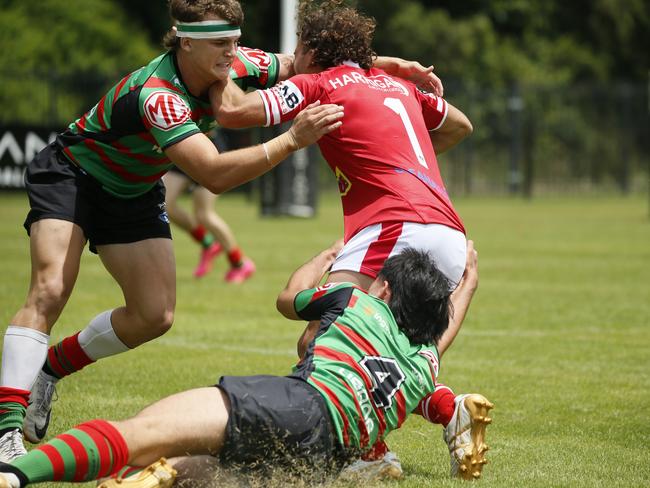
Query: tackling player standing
{"x": 100, "y": 182}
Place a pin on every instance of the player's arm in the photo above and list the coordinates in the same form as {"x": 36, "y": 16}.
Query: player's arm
{"x": 272, "y": 106}
{"x": 461, "y": 298}
{"x": 219, "y": 172}
{"x": 307, "y": 276}
{"x": 286, "y": 66}
{"x": 454, "y": 129}
{"x": 235, "y": 109}
{"x": 423, "y": 77}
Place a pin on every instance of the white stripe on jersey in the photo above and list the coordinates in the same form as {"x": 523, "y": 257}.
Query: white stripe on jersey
{"x": 274, "y": 105}
{"x": 444, "y": 117}
{"x": 267, "y": 111}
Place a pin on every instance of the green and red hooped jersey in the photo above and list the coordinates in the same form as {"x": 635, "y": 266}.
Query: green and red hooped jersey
{"x": 368, "y": 372}
{"x": 120, "y": 141}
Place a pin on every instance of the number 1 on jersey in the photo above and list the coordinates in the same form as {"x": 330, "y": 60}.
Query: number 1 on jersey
{"x": 396, "y": 105}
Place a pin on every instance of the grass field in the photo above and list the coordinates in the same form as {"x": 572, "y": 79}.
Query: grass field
{"x": 558, "y": 336}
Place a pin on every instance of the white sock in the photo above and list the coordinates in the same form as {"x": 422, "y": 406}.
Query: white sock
{"x": 98, "y": 340}
{"x": 23, "y": 354}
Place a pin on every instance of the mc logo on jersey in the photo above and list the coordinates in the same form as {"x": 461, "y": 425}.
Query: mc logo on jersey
{"x": 165, "y": 110}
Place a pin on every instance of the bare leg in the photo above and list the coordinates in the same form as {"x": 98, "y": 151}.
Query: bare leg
{"x": 188, "y": 423}
{"x": 56, "y": 247}
{"x": 175, "y": 184}
{"x": 204, "y": 209}
{"x": 146, "y": 272}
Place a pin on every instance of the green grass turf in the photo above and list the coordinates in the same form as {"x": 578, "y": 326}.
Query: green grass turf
{"x": 557, "y": 337}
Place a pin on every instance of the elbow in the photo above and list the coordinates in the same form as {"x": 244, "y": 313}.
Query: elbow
{"x": 215, "y": 187}
{"x": 284, "y": 304}
{"x": 468, "y": 129}
{"x": 465, "y": 128}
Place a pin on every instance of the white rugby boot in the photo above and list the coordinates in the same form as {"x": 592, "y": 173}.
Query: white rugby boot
{"x": 39, "y": 408}
{"x": 386, "y": 468}
{"x": 465, "y": 436}
{"x": 12, "y": 446}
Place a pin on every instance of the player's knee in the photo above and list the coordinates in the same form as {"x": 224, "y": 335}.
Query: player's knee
{"x": 158, "y": 322}
{"x": 202, "y": 216}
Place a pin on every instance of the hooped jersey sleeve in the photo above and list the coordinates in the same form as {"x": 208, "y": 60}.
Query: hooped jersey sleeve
{"x": 434, "y": 109}
{"x": 285, "y": 100}
{"x": 167, "y": 115}
{"x": 254, "y": 68}
{"x": 329, "y": 299}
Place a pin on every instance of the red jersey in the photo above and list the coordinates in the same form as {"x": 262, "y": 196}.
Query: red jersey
{"x": 382, "y": 155}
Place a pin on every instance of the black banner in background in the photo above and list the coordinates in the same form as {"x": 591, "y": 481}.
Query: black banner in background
{"x": 18, "y": 146}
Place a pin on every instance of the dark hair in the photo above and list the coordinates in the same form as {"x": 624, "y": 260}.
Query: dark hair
{"x": 419, "y": 295}
{"x": 197, "y": 10}
{"x": 336, "y": 33}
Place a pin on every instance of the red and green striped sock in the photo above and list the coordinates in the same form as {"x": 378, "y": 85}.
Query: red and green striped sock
{"x": 87, "y": 452}
{"x": 13, "y": 403}
{"x": 235, "y": 257}
{"x": 202, "y": 236}
{"x": 66, "y": 357}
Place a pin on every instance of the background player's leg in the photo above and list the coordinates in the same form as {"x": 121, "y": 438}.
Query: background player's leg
{"x": 203, "y": 201}
{"x": 241, "y": 267}
{"x": 176, "y": 183}
{"x": 56, "y": 247}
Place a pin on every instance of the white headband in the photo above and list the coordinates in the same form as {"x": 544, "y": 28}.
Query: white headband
{"x": 207, "y": 29}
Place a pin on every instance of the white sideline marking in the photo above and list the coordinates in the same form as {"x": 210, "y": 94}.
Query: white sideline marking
{"x": 203, "y": 346}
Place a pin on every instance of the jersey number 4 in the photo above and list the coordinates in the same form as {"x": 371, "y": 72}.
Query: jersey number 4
{"x": 387, "y": 377}
{"x": 396, "y": 105}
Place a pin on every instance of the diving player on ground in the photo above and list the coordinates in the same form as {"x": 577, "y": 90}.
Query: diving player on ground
{"x": 372, "y": 363}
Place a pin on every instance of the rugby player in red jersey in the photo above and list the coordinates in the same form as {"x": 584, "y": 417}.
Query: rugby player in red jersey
{"x": 383, "y": 156}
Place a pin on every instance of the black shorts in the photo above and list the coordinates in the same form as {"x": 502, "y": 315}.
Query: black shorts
{"x": 58, "y": 189}
{"x": 279, "y": 422}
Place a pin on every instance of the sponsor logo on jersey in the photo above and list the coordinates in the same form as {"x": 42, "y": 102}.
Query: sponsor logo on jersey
{"x": 343, "y": 182}
{"x": 384, "y": 83}
{"x": 363, "y": 398}
{"x": 380, "y": 320}
{"x": 289, "y": 96}
{"x": 259, "y": 58}
{"x": 165, "y": 110}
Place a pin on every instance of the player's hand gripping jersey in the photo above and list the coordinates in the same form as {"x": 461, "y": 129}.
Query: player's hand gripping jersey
{"x": 120, "y": 141}
{"x": 382, "y": 156}
{"x": 369, "y": 373}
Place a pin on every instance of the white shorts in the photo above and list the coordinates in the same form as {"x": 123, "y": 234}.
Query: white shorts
{"x": 368, "y": 249}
